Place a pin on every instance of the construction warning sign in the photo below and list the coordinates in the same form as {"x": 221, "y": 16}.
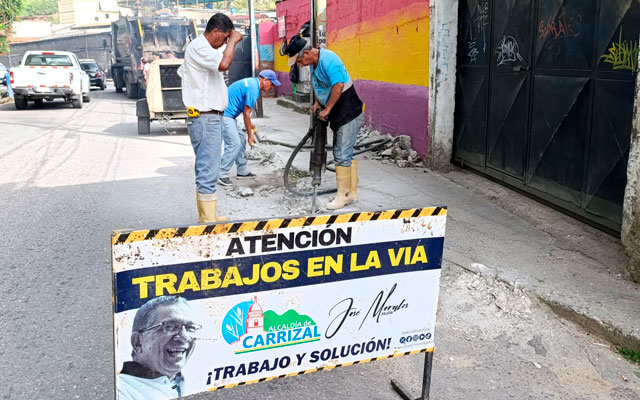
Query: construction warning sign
{"x": 215, "y": 306}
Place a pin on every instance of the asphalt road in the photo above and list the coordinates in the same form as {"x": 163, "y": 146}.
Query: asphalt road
{"x": 71, "y": 176}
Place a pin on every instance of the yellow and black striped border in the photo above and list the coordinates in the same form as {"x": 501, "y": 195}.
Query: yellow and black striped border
{"x": 122, "y": 237}
{"x": 394, "y": 355}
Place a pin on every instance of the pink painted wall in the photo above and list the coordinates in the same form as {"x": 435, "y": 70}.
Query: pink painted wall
{"x": 343, "y": 14}
{"x": 296, "y": 13}
{"x": 397, "y": 110}
{"x": 268, "y": 33}
{"x": 385, "y": 47}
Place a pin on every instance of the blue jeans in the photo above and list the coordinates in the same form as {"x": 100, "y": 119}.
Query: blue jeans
{"x": 344, "y": 140}
{"x": 7, "y": 81}
{"x": 234, "y": 144}
{"x": 206, "y": 138}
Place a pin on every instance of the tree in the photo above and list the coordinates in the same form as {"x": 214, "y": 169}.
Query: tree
{"x": 265, "y": 5}
{"x": 39, "y": 7}
{"x": 9, "y": 11}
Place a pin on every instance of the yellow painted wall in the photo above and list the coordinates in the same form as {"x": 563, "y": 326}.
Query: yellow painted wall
{"x": 280, "y": 62}
{"x": 393, "y": 48}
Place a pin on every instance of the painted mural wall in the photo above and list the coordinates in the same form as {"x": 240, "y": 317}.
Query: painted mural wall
{"x": 267, "y": 35}
{"x": 295, "y": 13}
{"x": 385, "y": 47}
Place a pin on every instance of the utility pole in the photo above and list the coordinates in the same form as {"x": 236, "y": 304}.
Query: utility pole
{"x": 254, "y": 53}
{"x": 252, "y": 22}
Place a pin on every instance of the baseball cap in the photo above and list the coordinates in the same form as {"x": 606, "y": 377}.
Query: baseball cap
{"x": 296, "y": 48}
{"x": 270, "y": 75}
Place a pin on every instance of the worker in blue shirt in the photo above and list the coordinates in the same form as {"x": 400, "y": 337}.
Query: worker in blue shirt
{"x": 337, "y": 102}
{"x": 243, "y": 95}
{"x": 7, "y": 81}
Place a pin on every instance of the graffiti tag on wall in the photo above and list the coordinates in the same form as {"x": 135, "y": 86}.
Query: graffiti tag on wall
{"x": 508, "y": 50}
{"x": 482, "y": 20}
{"x": 563, "y": 26}
{"x": 623, "y": 55}
{"x": 443, "y": 49}
{"x": 473, "y": 52}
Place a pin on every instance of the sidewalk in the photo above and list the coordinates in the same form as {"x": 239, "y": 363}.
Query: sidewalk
{"x": 496, "y": 232}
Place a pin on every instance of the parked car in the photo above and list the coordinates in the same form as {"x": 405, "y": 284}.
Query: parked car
{"x": 49, "y": 75}
{"x": 3, "y": 72}
{"x": 97, "y": 76}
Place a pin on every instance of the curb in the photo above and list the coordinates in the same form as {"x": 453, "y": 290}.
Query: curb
{"x": 591, "y": 324}
{"x": 292, "y": 105}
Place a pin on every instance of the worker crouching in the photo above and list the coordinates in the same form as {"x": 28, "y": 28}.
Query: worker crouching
{"x": 337, "y": 101}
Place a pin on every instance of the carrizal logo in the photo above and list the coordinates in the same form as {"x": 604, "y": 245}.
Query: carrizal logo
{"x": 249, "y": 328}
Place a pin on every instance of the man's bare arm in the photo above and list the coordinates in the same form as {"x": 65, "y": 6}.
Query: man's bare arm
{"x": 246, "y": 116}
{"x": 336, "y": 92}
{"x": 227, "y": 55}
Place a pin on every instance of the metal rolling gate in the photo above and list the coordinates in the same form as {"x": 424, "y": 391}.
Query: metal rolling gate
{"x": 544, "y": 99}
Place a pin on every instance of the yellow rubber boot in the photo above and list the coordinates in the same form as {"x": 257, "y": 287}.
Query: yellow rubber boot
{"x": 199, "y": 206}
{"x": 354, "y": 181}
{"x": 207, "y": 208}
{"x": 343, "y": 180}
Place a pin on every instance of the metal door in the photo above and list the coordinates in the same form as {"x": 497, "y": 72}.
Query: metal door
{"x": 509, "y": 91}
{"x": 545, "y": 104}
{"x": 472, "y": 83}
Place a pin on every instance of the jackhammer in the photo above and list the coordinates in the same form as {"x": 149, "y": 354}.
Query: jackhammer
{"x": 317, "y": 161}
{"x": 318, "y": 158}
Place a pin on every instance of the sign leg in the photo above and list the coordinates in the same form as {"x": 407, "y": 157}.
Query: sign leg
{"x": 426, "y": 376}
{"x": 426, "y": 381}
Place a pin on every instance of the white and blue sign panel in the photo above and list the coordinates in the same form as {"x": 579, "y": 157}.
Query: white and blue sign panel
{"x": 246, "y": 302}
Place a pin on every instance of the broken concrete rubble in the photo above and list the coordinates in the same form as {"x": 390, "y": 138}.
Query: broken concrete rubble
{"x": 398, "y": 151}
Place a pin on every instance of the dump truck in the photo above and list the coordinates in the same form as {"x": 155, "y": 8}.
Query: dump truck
{"x": 135, "y": 38}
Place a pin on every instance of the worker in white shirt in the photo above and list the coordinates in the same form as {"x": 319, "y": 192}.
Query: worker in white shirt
{"x": 204, "y": 93}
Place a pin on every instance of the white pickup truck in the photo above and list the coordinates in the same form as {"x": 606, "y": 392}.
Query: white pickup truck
{"x": 49, "y": 75}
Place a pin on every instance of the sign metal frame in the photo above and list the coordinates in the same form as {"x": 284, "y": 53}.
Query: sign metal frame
{"x": 128, "y": 249}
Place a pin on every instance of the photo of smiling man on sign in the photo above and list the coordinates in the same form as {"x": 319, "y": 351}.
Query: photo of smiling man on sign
{"x": 163, "y": 338}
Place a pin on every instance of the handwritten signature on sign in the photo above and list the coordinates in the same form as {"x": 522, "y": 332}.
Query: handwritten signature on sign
{"x": 508, "y": 50}
{"x": 623, "y": 55}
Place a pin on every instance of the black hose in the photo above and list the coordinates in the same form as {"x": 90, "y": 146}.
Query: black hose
{"x": 370, "y": 146}
{"x": 376, "y": 143}
{"x": 287, "y": 168}
{"x": 363, "y": 148}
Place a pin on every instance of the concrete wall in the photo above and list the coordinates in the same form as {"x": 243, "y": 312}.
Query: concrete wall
{"x": 88, "y": 12}
{"x": 442, "y": 93}
{"x": 630, "y": 233}
{"x": 385, "y": 47}
{"x": 25, "y": 31}
{"x": 85, "y": 46}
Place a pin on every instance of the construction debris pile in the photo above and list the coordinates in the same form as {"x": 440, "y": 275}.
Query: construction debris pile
{"x": 397, "y": 151}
